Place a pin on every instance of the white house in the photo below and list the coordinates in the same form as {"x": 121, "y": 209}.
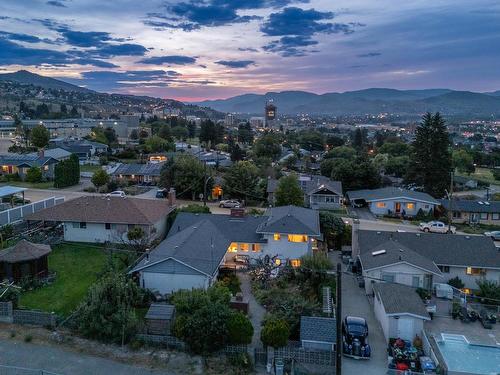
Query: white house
{"x": 107, "y": 219}
{"x": 399, "y": 310}
{"x": 198, "y": 244}
{"x": 393, "y": 201}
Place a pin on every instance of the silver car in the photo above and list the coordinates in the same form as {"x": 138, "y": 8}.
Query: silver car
{"x": 495, "y": 235}
{"x": 230, "y": 203}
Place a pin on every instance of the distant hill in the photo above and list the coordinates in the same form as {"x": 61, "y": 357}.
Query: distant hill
{"x": 27, "y": 78}
{"x": 369, "y": 101}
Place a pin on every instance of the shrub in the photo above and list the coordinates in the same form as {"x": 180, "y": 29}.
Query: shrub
{"x": 456, "y": 282}
{"x": 100, "y": 178}
{"x": 316, "y": 262}
{"x": 28, "y": 338}
{"x": 67, "y": 172}
{"x": 490, "y": 290}
{"x": 241, "y": 361}
{"x": 34, "y": 175}
{"x": 240, "y": 329}
{"x": 275, "y": 333}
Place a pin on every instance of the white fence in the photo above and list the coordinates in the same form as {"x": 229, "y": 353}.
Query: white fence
{"x": 17, "y": 214}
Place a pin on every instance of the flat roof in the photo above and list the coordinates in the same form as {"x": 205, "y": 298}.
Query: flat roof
{"x": 9, "y": 190}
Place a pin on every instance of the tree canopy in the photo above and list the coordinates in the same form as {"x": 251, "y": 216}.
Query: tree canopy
{"x": 39, "y": 136}
{"x": 186, "y": 174}
{"x": 241, "y": 180}
{"x": 288, "y": 191}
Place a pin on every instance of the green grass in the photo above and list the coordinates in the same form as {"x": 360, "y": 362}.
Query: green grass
{"x": 476, "y": 229}
{"x": 77, "y": 267}
{"x": 89, "y": 168}
{"x": 482, "y": 174}
{"x": 32, "y": 185}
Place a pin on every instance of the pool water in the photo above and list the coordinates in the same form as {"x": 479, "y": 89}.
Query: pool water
{"x": 460, "y": 356}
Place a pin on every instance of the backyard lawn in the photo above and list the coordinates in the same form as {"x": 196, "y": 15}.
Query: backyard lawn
{"x": 89, "y": 168}
{"x": 482, "y": 174}
{"x": 76, "y": 267}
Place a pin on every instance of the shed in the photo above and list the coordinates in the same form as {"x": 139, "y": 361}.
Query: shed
{"x": 24, "y": 259}
{"x": 399, "y": 310}
{"x": 159, "y": 318}
{"x": 318, "y": 333}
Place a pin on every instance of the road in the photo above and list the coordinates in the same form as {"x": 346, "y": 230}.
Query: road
{"x": 64, "y": 362}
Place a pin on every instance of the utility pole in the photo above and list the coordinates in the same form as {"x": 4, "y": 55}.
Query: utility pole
{"x": 338, "y": 321}
{"x": 450, "y": 206}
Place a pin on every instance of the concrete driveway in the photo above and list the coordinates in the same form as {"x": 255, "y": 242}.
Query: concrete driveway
{"x": 355, "y": 303}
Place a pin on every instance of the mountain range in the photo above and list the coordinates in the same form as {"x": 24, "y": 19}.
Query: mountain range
{"x": 27, "y": 78}
{"x": 368, "y": 101}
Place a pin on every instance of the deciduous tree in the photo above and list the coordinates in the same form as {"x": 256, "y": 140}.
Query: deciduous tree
{"x": 289, "y": 192}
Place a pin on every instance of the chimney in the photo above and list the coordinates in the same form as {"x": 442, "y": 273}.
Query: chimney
{"x": 41, "y": 153}
{"x": 171, "y": 197}
{"x": 355, "y": 239}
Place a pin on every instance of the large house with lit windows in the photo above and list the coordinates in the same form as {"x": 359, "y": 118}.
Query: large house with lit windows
{"x": 392, "y": 201}
{"x": 198, "y": 245}
{"x": 20, "y": 164}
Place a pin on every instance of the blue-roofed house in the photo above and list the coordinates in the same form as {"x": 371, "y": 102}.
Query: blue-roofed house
{"x": 21, "y": 163}
{"x": 138, "y": 173}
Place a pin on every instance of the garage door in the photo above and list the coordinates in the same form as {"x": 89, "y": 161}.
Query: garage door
{"x": 406, "y": 328}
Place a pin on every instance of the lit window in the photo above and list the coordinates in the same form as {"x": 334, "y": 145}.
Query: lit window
{"x": 5, "y": 168}
{"x": 256, "y": 247}
{"x": 410, "y": 206}
{"x": 233, "y": 247}
{"x": 277, "y": 261}
{"x": 46, "y": 168}
{"x": 277, "y": 236}
{"x": 466, "y": 290}
{"x": 380, "y": 204}
{"x": 475, "y": 271}
{"x": 297, "y": 238}
{"x": 243, "y": 246}
{"x": 295, "y": 263}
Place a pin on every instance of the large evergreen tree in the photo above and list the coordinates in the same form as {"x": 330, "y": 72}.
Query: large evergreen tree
{"x": 289, "y": 192}
{"x": 430, "y": 160}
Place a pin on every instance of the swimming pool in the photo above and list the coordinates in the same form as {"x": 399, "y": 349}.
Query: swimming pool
{"x": 461, "y": 356}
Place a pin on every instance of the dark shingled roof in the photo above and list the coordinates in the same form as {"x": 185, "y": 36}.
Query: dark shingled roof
{"x": 31, "y": 160}
{"x": 116, "y": 210}
{"x": 200, "y": 246}
{"x": 149, "y": 169}
{"x": 442, "y": 249}
{"x": 464, "y": 205}
{"x": 291, "y": 219}
{"x": 314, "y": 328}
{"x": 24, "y": 251}
{"x": 400, "y": 299}
{"x": 160, "y": 311}
{"x": 390, "y": 193}
{"x": 395, "y": 253}
{"x": 311, "y": 186}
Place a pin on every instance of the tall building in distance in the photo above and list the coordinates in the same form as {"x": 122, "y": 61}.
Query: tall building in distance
{"x": 270, "y": 114}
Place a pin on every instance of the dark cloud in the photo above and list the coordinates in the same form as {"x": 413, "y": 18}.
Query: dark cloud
{"x": 296, "y": 27}
{"x": 173, "y": 60}
{"x": 235, "y": 63}
{"x": 126, "y": 49}
{"x": 20, "y": 37}
{"x": 193, "y": 14}
{"x": 369, "y": 54}
{"x": 56, "y": 3}
{"x": 94, "y": 62}
{"x": 248, "y": 49}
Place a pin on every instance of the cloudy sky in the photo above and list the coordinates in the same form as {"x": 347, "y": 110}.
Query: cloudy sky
{"x": 198, "y": 49}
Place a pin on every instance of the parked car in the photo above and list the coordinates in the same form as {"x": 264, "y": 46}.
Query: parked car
{"x": 117, "y": 193}
{"x": 161, "y": 193}
{"x": 437, "y": 227}
{"x": 230, "y": 203}
{"x": 355, "y": 338}
{"x": 495, "y": 235}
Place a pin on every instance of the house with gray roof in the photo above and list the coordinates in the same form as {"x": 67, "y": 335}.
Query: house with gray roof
{"x": 197, "y": 245}
{"x": 399, "y": 310}
{"x": 409, "y": 258}
{"x": 318, "y": 333}
{"x": 320, "y": 192}
{"x": 138, "y": 173}
{"x": 473, "y": 211}
{"x": 21, "y": 163}
{"x": 393, "y": 201}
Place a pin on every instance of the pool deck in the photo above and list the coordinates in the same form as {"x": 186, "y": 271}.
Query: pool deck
{"x": 474, "y": 331}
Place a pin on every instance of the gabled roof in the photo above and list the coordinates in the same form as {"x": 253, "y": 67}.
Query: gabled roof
{"x": 116, "y": 210}
{"x": 149, "y": 169}
{"x": 442, "y": 249}
{"x": 387, "y": 193}
{"x": 310, "y": 184}
{"x": 315, "y": 328}
{"x": 26, "y": 160}
{"x": 291, "y": 220}
{"x": 393, "y": 252}
{"x": 201, "y": 247}
{"x": 400, "y": 299}
{"x": 56, "y": 153}
{"x": 464, "y": 205}
{"x": 24, "y": 251}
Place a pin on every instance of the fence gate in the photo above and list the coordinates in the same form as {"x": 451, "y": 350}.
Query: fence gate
{"x": 260, "y": 355}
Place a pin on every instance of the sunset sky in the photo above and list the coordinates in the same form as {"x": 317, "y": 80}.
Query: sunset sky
{"x": 194, "y": 50}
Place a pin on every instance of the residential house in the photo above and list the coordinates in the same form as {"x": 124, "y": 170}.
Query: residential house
{"x": 393, "y": 201}
{"x": 21, "y": 163}
{"x": 402, "y": 257}
{"x": 473, "y": 212}
{"x": 400, "y": 311}
{"x": 197, "y": 245}
{"x": 83, "y": 148}
{"x": 107, "y": 219}
{"x": 318, "y": 333}
{"x": 320, "y": 193}
{"x": 464, "y": 183}
{"x": 57, "y": 153}
{"x": 138, "y": 173}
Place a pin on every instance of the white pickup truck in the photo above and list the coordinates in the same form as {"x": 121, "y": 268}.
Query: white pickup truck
{"x": 437, "y": 227}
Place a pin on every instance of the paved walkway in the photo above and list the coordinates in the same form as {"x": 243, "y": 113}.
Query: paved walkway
{"x": 256, "y": 312}
{"x": 64, "y": 362}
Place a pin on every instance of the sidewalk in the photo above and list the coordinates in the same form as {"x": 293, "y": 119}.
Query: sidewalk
{"x": 256, "y": 312}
